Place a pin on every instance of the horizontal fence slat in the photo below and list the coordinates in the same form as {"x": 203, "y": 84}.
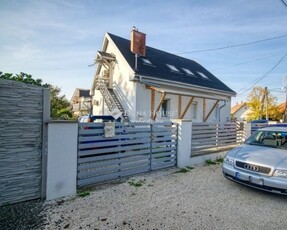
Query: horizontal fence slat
{"x": 131, "y": 150}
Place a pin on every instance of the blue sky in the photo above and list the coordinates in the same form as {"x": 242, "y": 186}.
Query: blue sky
{"x": 56, "y": 40}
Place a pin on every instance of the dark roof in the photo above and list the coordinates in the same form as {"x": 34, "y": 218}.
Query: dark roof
{"x": 159, "y": 70}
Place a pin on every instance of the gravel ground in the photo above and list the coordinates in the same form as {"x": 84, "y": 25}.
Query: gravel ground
{"x": 199, "y": 199}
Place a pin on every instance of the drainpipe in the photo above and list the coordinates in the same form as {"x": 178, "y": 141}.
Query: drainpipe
{"x": 224, "y": 104}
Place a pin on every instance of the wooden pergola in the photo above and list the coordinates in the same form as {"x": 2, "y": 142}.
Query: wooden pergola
{"x": 181, "y": 111}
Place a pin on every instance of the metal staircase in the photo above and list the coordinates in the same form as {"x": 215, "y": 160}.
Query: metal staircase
{"x": 111, "y": 99}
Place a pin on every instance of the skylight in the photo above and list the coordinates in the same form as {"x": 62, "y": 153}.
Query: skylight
{"x": 188, "y": 72}
{"x": 202, "y": 75}
{"x": 172, "y": 68}
{"x": 146, "y": 61}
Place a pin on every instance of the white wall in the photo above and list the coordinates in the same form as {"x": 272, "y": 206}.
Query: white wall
{"x": 123, "y": 87}
{"x": 61, "y": 159}
{"x": 144, "y": 106}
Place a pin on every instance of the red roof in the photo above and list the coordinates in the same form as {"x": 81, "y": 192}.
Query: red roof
{"x": 235, "y": 108}
{"x": 282, "y": 107}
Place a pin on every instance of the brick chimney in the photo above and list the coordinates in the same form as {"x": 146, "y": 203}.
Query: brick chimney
{"x": 138, "y": 42}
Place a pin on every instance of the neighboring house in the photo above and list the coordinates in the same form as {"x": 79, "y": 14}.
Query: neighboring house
{"x": 155, "y": 85}
{"x": 81, "y": 102}
{"x": 283, "y": 110}
{"x": 240, "y": 111}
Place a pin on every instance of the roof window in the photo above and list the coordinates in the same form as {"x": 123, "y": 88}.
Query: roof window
{"x": 188, "y": 72}
{"x": 172, "y": 68}
{"x": 202, "y": 75}
{"x": 146, "y": 61}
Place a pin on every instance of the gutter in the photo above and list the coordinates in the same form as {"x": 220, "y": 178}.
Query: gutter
{"x": 224, "y": 104}
{"x": 152, "y": 80}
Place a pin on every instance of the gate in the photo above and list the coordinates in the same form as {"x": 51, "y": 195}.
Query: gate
{"x": 21, "y": 123}
{"x": 135, "y": 148}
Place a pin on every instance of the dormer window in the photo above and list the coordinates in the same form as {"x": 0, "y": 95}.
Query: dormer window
{"x": 188, "y": 72}
{"x": 202, "y": 75}
{"x": 172, "y": 68}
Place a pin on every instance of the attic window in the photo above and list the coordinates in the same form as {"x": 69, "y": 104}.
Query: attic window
{"x": 146, "y": 61}
{"x": 188, "y": 72}
{"x": 202, "y": 75}
{"x": 172, "y": 68}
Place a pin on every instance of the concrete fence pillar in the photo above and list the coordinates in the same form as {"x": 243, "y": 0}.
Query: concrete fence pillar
{"x": 184, "y": 142}
{"x": 247, "y": 130}
{"x": 61, "y": 159}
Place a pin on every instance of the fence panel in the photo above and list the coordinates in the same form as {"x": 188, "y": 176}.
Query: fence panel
{"x": 21, "y": 122}
{"x": 135, "y": 148}
{"x": 164, "y": 145}
{"x": 213, "y": 137}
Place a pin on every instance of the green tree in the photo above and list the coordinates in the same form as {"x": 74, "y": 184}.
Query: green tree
{"x": 254, "y": 102}
{"x": 23, "y": 77}
{"x": 60, "y": 106}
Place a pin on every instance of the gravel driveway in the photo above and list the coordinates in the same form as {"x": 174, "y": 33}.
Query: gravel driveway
{"x": 198, "y": 199}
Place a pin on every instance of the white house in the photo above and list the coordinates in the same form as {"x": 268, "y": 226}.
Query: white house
{"x": 240, "y": 111}
{"x": 145, "y": 83}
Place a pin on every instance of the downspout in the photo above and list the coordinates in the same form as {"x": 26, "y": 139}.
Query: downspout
{"x": 224, "y": 104}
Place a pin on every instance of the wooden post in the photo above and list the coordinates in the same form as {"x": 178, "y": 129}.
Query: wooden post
{"x": 179, "y": 106}
{"x": 186, "y": 108}
{"x": 213, "y": 107}
{"x": 160, "y": 103}
{"x": 152, "y": 99}
{"x": 203, "y": 109}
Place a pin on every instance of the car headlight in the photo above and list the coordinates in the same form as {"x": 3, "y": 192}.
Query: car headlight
{"x": 280, "y": 173}
{"x": 228, "y": 160}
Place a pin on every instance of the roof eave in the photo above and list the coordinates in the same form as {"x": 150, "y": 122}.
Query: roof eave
{"x": 185, "y": 86}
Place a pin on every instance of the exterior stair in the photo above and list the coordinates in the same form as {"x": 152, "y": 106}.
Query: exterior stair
{"x": 111, "y": 99}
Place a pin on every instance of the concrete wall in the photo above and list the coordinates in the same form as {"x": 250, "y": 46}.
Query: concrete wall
{"x": 61, "y": 159}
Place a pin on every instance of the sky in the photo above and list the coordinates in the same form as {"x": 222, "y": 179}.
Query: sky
{"x": 57, "y": 40}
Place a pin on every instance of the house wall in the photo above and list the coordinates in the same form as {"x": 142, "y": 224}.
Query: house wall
{"x": 242, "y": 113}
{"x": 143, "y": 109}
{"x": 123, "y": 87}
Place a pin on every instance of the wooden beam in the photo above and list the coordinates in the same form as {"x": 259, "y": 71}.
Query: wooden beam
{"x": 186, "y": 108}
{"x": 152, "y": 103}
{"x": 213, "y": 107}
{"x": 203, "y": 108}
{"x": 160, "y": 104}
{"x": 179, "y": 106}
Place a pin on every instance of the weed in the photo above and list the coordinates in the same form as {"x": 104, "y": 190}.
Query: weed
{"x": 136, "y": 184}
{"x": 210, "y": 162}
{"x": 84, "y": 193}
{"x": 218, "y": 160}
{"x": 184, "y": 170}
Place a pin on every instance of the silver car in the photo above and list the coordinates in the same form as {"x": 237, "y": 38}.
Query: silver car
{"x": 261, "y": 162}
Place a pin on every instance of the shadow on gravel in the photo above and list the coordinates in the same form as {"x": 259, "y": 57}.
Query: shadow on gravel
{"x": 25, "y": 215}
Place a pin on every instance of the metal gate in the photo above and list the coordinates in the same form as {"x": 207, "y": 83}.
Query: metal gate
{"x": 21, "y": 123}
{"x": 135, "y": 148}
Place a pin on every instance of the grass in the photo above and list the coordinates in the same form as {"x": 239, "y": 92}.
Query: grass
{"x": 136, "y": 184}
{"x": 218, "y": 160}
{"x": 84, "y": 193}
{"x": 184, "y": 170}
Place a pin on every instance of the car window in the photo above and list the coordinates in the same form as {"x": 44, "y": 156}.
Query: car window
{"x": 273, "y": 139}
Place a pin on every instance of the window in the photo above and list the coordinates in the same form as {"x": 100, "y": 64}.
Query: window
{"x": 165, "y": 108}
{"x": 202, "y": 75}
{"x": 146, "y": 61}
{"x": 188, "y": 72}
{"x": 194, "y": 110}
{"x": 172, "y": 68}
